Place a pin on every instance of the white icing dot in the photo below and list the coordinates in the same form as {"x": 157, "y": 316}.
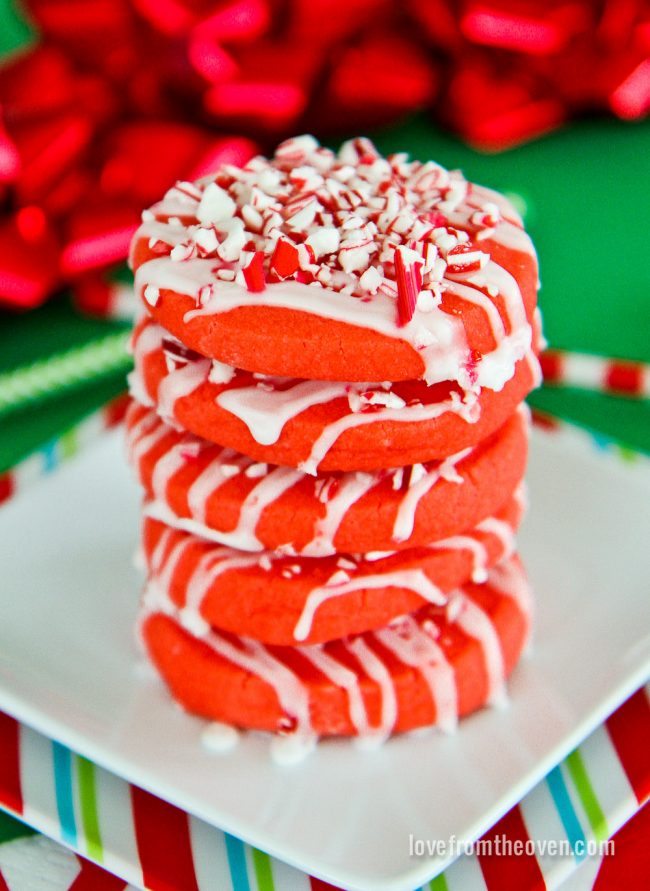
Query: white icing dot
{"x": 220, "y": 738}
{"x": 292, "y": 748}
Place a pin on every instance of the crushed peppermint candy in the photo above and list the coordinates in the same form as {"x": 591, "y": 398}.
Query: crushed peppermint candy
{"x": 351, "y": 221}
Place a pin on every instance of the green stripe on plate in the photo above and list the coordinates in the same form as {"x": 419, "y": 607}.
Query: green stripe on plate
{"x": 263, "y": 871}
{"x": 89, "y": 816}
{"x": 68, "y": 444}
{"x": 585, "y": 790}
{"x": 439, "y": 883}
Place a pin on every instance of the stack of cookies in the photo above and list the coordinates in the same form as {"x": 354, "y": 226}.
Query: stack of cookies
{"x": 328, "y": 427}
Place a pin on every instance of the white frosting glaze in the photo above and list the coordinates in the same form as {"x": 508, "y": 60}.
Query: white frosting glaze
{"x": 375, "y": 669}
{"x": 411, "y": 642}
{"x": 416, "y": 648}
{"x": 414, "y": 580}
{"x": 179, "y": 383}
{"x": 348, "y": 488}
{"x": 266, "y": 409}
{"x": 210, "y": 567}
{"x": 405, "y": 516}
{"x": 501, "y": 530}
{"x": 437, "y": 336}
{"x": 352, "y": 487}
{"x": 344, "y": 678}
{"x": 346, "y": 225}
{"x": 476, "y": 623}
{"x": 265, "y": 412}
{"x": 220, "y": 738}
{"x": 475, "y": 547}
{"x": 209, "y": 481}
{"x": 468, "y": 409}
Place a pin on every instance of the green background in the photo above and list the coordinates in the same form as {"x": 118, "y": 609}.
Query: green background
{"x": 586, "y": 193}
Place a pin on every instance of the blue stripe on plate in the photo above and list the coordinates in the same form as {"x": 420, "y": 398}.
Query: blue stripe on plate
{"x": 50, "y": 455}
{"x": 236, "y": 852}
{"x": 565, "y": 809}
{"x": 62, "y": 760}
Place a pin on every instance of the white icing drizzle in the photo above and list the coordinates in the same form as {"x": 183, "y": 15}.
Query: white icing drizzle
{"x": 265, "y": 412}
{"x": 159, "y": 550}
{"x": 163, "y": 566}
{"x": 142, "y": 439}
{"x": 179, "y": 383}
{"x": 242, "y": 537}
{"x": 416, "y": 648}
{"x": 438, "y": 337}
{"x": 405, "y": 516}
{"x": 352, "y": 487}
{"x": 508, "y": 579}
{"x": 208, "y": 569}
{"x": 462, "y": 288}
{"x": 375, "y": 669}
{"x": 474, "y": 546}
{"x": 443, "y": 356}
{"x": 137, "y": 389}
{"x": 209, "y": 480}
{"x": 266, "y": 491}
{"x": 476, "y": 623}
{"x": 169, "y": 464}
{"x": 468, "y": 409}
{"x": 414, "y": 580}
{"x": 411, "y": 643}
{"x": 344, "y": 678}
{"x": 502, "y": 531}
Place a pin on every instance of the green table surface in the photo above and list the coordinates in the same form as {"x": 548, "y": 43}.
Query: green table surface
{"x": 586, "y": 194}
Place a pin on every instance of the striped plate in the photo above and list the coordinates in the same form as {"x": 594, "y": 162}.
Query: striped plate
{"x": 149, "y": 843}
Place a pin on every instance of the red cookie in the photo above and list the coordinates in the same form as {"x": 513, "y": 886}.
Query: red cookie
{"x": 283, "y": 599}
{"x": 318, "y": 425}
{"x": 229, "y": 498}
{"x": 352, "y": 268}
{"x": 424, "y": 669}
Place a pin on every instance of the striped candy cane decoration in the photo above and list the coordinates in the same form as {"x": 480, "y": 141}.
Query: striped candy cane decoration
{"x": 616, "y": 376}
{"x": 153, "y": 844}
{"x": 64, "y": 371}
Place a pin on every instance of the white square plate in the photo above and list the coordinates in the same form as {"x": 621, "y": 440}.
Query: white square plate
{"x": 69, "y": 667}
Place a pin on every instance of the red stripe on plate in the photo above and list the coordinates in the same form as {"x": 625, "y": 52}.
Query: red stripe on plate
{"x": 10, "y": 791}
{"x": 320, "y": 885}
{"x": 94, "y": 878}
{"x": 164, "y": 847}
{"x": 629, "y": 730}
{"x": 630, "y": 860}
{"x": 6, "y": 486}
{"x": 3, "y": 885}
{"x": 507, "y": 865}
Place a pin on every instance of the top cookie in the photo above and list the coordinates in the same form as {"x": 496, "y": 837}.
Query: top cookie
{"x": 345, "y": 266}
